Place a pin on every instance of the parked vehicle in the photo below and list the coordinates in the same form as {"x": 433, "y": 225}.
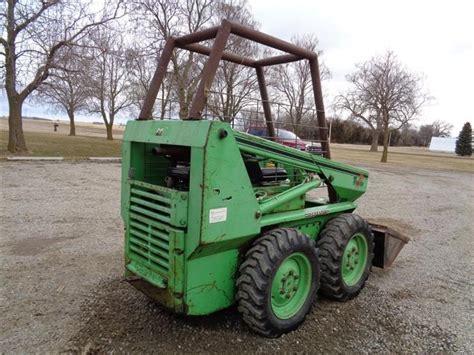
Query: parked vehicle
{"x": 287, "y": 138}
{"x": 282, "y": 136}
{"x": 314, "y": 148}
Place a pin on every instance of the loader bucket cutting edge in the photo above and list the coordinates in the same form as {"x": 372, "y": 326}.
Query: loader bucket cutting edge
{"x": 388, "y": 244}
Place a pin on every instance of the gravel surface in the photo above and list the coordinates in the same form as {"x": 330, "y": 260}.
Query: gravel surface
{"x": 62, "y": 289}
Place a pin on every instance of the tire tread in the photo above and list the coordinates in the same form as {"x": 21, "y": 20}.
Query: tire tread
{"x": 331, "y": 244}
{"x": 255, "y": 272}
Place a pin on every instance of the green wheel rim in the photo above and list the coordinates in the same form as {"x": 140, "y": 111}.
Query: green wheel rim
{"x": 291, "y": 285}
{"x": 354, "y": 259}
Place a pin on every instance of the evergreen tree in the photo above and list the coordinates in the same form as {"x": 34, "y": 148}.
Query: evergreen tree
{"x": 464, "y": 141}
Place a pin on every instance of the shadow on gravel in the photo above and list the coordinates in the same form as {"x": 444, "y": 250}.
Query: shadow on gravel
{"x": 118, "y": 318}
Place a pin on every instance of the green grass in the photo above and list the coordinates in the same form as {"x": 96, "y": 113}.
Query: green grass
{"x": 51, "y": 145}
{"x": 407, "y": 159}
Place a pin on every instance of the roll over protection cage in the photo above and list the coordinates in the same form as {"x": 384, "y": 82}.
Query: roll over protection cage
{"x": 217, "y": 53}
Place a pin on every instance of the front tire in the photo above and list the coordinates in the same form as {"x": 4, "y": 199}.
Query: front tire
{"x": 346, "y": 251}
{"x": 278, "y": 282}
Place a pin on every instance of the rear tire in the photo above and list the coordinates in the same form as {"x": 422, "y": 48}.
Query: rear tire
{"x": 346, "y": 251}
{"x": 278, "y": 282}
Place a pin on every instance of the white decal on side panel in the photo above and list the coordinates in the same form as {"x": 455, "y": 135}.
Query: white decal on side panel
{"x": 218, "y": 215}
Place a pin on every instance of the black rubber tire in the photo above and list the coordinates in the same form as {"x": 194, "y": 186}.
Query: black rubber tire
{"x": 331, "y": 243}
{"x": 257, "y": 271}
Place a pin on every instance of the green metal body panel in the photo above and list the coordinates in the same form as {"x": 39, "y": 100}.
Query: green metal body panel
{"x": 183, "y": 246}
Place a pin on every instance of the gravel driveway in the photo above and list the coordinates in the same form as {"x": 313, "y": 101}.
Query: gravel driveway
{"x": 62, "y": 289}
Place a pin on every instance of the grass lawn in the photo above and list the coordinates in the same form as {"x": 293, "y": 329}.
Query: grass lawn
{"x": 409, "y": 159}
{"x": 51, "y": 145}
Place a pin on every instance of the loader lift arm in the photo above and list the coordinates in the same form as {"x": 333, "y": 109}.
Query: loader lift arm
{"x": 345, "y": 182}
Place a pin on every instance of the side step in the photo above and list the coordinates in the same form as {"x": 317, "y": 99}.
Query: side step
{"x": 388, "y": 244}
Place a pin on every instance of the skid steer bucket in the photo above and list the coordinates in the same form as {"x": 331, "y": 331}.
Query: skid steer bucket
{"x": 388, "y": 244}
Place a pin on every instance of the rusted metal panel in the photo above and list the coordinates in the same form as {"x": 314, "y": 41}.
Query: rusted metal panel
{"x": 388, "y": 244}
{"x": 146, "y": 112}
{"x": 265, "y": 102}
{"x": 165, "y": 295}
{"x": 199, "y": 36}
{"x": 216, "y": 53}
{"x": 318, "y": 100}
{"x": 228, "y": 56}
{"x": 209, "y": 71}
{"x": 263, "y": 38}
{"x": 279, "y": 59}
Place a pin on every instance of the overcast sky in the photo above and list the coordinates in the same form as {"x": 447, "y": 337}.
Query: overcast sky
{"x": 432, "y": 37}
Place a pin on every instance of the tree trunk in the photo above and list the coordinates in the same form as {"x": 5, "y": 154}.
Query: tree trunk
{"x": 183, "y": 111}
{"x": 163, "y": 106}
{"x": 183, "y": 107}
{"x": 72, "y": 125}
{"x": 109, "y": 126}
{"x": 16, "y": 139}
{"x": 375, "y": 140}
{"x": 386, "y": 133}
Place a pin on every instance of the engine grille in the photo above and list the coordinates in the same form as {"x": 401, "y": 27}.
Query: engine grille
{"x": 149, "y": 232}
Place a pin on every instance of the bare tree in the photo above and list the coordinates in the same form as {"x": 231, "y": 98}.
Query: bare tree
{"x": 107, "y": 78}
{"x": 425, "y": 132}
{"x": 358, "y": 109}
{"x": 292, "y": 83}
{"x": 234, "y": 84}
{"x": 436, "y": 129}
{"x": 166, "y": 18}
{"x": 386, "y": 89}
{"x": 64, "y": 89}
{"x": 34, "y": 34}
{"x": 441, "y": 128}
{"x": 142, "y": 65}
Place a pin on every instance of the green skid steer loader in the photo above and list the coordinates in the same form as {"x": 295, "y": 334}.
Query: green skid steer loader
{"x": 214, "y": 216}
